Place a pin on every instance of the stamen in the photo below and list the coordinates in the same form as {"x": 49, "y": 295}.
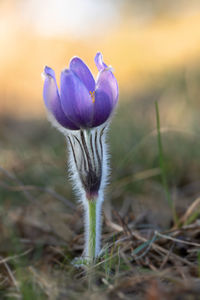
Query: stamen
{"x": 92, "y": 94}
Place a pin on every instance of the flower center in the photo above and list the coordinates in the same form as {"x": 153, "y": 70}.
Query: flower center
{"x": 92, "y": 94}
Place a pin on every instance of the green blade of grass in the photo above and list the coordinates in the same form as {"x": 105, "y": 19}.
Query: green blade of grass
{"x": 146, "y": 245}
{"x": 162, "y": 166}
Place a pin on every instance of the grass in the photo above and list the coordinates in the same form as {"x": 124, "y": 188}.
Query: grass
{"x": 154, "y": 155}
{"x": 162, "y": 167}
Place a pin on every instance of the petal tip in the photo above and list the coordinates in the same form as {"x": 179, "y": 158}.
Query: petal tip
{"x": 74, "y": 59}
{"x": 48, "y": 72}
{"x": 99, "y": 55}
{"x": 65, "y": 73}
{"x": 99, "y": 61}
{"x": 78, "y": 67}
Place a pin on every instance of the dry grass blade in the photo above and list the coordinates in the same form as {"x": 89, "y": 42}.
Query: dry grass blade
{"x": 5, "y": 260}
{"x": 176, "y": 240}
{"x": 191, "y": 209}
{"x": 12, "y": 277}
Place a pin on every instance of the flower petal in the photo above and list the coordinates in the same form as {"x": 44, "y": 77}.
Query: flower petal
{"x": 52, "y": 99}
{"x": 107, "y": 82}
{"x": 82, "y": 71}
{"x": 76, "y": 101}
{"x": 106, "y": 96}
{"x": 102, "y": 108}
{"x": 99, "y": 61}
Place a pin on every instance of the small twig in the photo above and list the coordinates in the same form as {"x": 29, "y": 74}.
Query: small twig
{"x": 190, "y": 210}
{"x": 176, "y": 240}
{"x": 12, "y": 276}
{"x": 5, "y": 260}
{"x": 166, "y": 257}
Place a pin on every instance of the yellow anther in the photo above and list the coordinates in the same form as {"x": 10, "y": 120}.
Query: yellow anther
{"x": 92, "y": 94}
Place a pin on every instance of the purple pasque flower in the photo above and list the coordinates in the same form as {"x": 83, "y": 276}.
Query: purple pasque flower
{"x": 81, "y": 102}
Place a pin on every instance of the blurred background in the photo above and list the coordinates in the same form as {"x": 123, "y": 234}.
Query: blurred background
{"x": 154, "y": 49}
{"x": 142, "y": 40}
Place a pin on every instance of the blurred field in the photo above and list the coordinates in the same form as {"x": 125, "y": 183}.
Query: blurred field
{"x": 41, "y": 224}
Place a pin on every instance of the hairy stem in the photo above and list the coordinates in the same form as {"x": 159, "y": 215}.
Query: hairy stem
{"x": 89, "y": 168}
{"x": 92, "y": 230}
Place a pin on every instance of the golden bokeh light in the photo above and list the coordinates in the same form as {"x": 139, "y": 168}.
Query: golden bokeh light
{"x": 136, "y": 51}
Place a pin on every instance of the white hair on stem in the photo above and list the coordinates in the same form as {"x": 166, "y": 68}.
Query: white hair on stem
{"x": 88, "y": 171}
{"x": 88, "y": 154}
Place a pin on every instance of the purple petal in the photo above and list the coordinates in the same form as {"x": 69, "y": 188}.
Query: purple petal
{"x": 52, "y": 99}
{"x": 82, "y": 71}
{"x": 99, "y": 61}
{"x": 76, "y": 101}
{"x": 102, "y": 108}
{"x": 107, "y": 82}
{"x": 106, "y": 96}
